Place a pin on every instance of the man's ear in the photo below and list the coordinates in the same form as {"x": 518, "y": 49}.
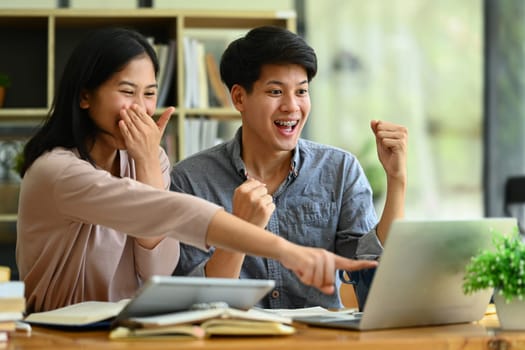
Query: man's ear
{"x": 238, "y": 94}
{"x": 84, "y": 99}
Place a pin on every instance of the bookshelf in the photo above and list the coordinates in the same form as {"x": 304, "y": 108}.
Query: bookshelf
{"x": 35, "y": 45}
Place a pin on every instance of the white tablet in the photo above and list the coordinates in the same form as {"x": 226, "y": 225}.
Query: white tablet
{"x": 164, "y": 294}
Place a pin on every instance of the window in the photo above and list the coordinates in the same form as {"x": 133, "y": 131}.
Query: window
{"x": 417, "y": 63}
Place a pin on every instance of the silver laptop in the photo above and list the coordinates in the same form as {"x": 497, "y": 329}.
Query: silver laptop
{"x": 165, "y": 294}
{"x": 420, "y": 276}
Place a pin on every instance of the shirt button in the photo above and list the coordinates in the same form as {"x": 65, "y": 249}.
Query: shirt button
{"x": 275, "y": 294}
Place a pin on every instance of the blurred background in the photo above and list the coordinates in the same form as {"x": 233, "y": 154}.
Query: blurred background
{"x": 451, "y": 71}
{"x": 416, "y": 63}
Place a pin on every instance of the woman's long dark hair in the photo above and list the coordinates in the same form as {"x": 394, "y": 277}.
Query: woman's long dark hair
{"x": 100, "y": 55}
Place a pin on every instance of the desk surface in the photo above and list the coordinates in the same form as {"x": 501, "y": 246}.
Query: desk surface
{"x": 481, "y": 335}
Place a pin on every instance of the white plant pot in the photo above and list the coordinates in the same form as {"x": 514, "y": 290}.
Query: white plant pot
{"x": 510, "y": 315}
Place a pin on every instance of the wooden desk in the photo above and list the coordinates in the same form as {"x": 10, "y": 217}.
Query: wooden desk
{"x": 482, "y": 335}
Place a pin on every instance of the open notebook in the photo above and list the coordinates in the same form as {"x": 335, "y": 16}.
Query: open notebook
{"x": 420, "y": 276}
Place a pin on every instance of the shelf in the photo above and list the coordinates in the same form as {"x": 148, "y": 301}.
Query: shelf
{"x": 215, "y": 113}
{"x": 36, "y": 44}
{"x": 22, "y": 114}
{"x": 8, "y": 217}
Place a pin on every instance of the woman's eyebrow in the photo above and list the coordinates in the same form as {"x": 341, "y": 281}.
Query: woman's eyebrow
{"x": 125, "y": 82}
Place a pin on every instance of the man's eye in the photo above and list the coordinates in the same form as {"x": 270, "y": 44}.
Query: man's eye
{"x": 127, "y": 92}
{"x": 302, "y": 92}
{"x": 150, "y": 93}
{"x": 275, "y": 92}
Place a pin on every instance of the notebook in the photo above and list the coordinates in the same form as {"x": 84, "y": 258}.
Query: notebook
{"x": 420, "y": 276}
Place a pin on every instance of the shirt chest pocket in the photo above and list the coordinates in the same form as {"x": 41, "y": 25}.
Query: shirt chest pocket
{"x": 316, "y": 214}
{"x": 313, "y": 223}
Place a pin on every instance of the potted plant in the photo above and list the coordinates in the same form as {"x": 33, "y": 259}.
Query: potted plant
{"x": 5, "y": 82}
{"x": 504, "y": 270}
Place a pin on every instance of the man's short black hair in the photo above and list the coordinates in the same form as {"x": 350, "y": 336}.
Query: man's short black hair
{"x": 242, "y": 60}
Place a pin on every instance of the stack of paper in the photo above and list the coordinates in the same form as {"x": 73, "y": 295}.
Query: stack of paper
{"x": 12, "y": 303}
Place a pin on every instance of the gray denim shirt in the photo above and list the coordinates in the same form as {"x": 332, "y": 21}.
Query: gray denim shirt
{"x": 325, "y": 201}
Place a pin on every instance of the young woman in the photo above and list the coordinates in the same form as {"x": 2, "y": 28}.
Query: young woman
{"x": 96, "y": 217}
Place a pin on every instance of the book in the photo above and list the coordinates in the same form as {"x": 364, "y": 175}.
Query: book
{"x": 12, "y": 304}
{"x": 162, "y": 56}
{"x": 209, "y": 133}
{"x": 12, "y": 289}
{"x": 190, "y": 73}
{"x": 209, "y": 328}
{"x": 11, "y": 316}
{"x": 12, "y": 301}
{"x": 166, "y": 74}
{"x": 202, "y": 76}
{"x": 3, "y": 337}
{"x": 219, "y": 90}
{"x": 5, "y": 273}
{"x": 192, "y": 139}
{"x": 84, "y": 314}
{"x": 173, "y": 332}
{"x": 7, "y": 326}
{"x": 201, "y": 323}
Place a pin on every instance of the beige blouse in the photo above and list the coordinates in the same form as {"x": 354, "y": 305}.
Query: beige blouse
{"x": 76, "y": 225}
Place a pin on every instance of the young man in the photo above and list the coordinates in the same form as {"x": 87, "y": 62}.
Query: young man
{"x": 311, "y": 194}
